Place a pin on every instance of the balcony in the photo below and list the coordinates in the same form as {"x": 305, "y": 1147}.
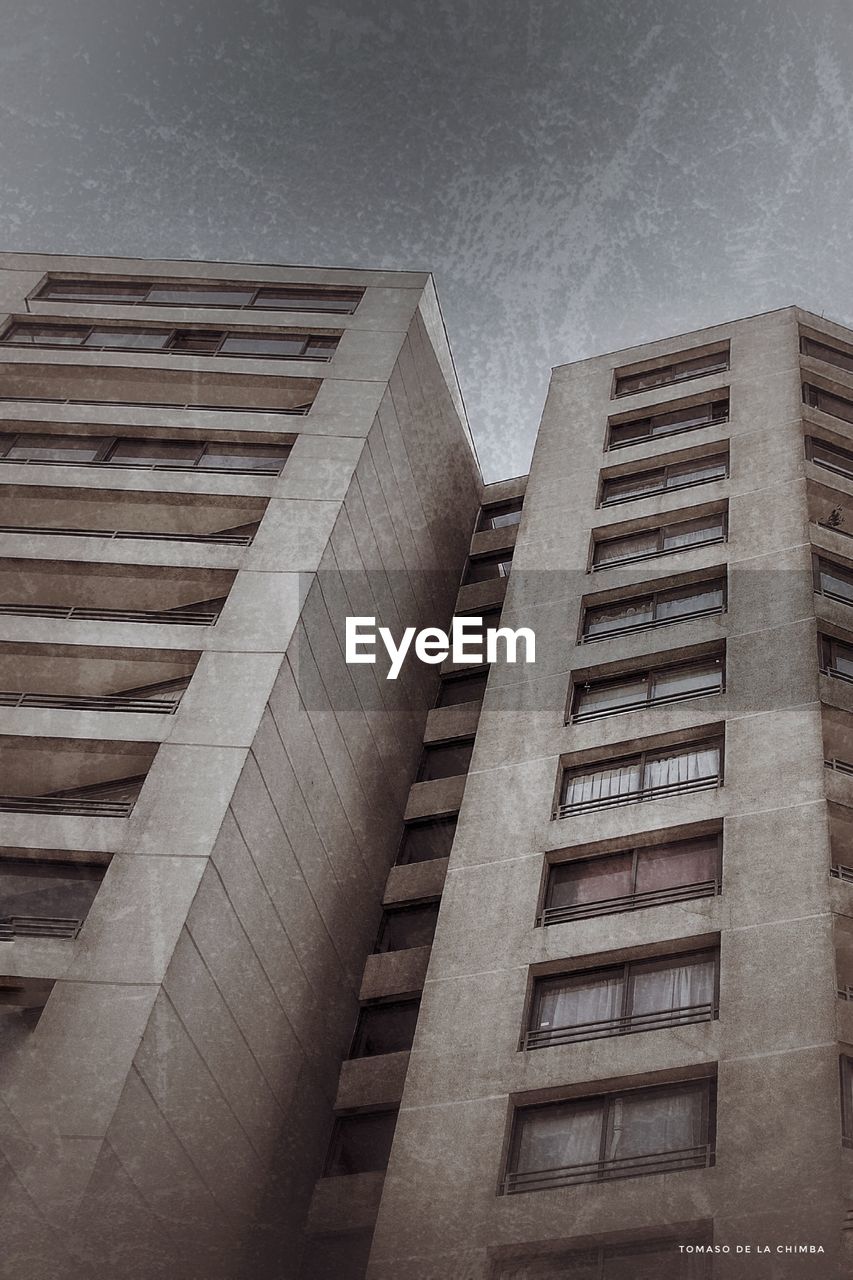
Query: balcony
{"x": 68, "y": 678}
{"x": 99, "y": 513}
{"x": 72, "y": 777}
{"x": 45, "y": 898}
{"x": 113, "y": 593}
{"x": 250, "y": 457}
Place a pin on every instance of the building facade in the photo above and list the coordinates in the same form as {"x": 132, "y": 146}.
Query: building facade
{"x": 512, "y": 974}
{"x": 635, "y": 1030}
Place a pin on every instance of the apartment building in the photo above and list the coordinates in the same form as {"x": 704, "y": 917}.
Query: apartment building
{"x": 635, "y": 1027}
{"x": 205, "y": 469}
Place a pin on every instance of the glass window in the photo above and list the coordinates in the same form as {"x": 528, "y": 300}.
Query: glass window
{"x": 621, "y": 488}
{"x": 244, "y": 457}
{"x": 385, "y": 1028}
{"x": 846, "y": 1063}
{"x": 829, "y": 354}
{"x": 142, "y": 452}
{"x": 836, "y": 657}
{"x": 831, "y": 457}
{"x": 826, "y": 402}
{"x": 201, "y": 342}
{"x": 629, "y": 879}
{"x": 691, "y": 533}
{"x": 661, "y": 607}
{"x": 199, "y": 295}
{"x": 320, "y": 347}
{"x": 44, "y": 335}
{"x": 617, "y": 1135}
{"x": 834, "y": 580}
{"x": 360, "y": 1143}
{"x": 258, "y": 344}
{"x": 686, "y": 681}
{"x": 696, "y": 472}
{"x": 92, "y": 291}
{"x": 284, "y": 298}
{"x": 499, "y": 515}
{"x": 129, "y": 339}
{"x": 605, "y": 697}
{"x": 427, "y": 840}
{"x": 469, "y": 687}
{"x": 677, "y": 370}
{"x": 633, "y": 546}
{"x": 640, "y": 778}
{"x": 58, "y": 448}
{"x": 667, "y": 423}
{"x": 688, "y": 601}
{"x": 405, "y": 927}
{"x": 621, "y": 615}
{"x": 641, "y": 995}
{"x": 446, "y": 760}
{"x": 46, "y": 898}
{"x": 483, "y": 568}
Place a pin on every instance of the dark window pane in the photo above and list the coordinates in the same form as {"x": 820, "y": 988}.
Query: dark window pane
{"x": 39, "y": 335}
{"x": 501, "y": 514}
{"x": 385, "y": 1028}
{"x": 129, "y": 339}
{"x": 596, "y": 880}
{"x": 406, "y": 927}
{"x": 447, "y": 760}
{"x": 676, "y": 371}
{"x": 211, "y": 295}
{"x": 245, "y": 457}
{"x": 620, "y": 488}
{"x": 361, "y": 1144}
{"x": 835, "y": 580}
{"x": 200, "y": 342}
{"x": 58, "y": 448}
{"x": 321, "y": 347}
{"x": 257, "y": 344}
{"x": 92, "y": 291}
{"x": 685, "y": 862}
{"x": 683, "y": 601}
{"x": 280, "y": 297}
{"x": 832, "y": 458}
{"x": 458, "y": 689}
{"x": 151, "y": 451}
{"x": 823, "y": 351}
{"x": 425, "y": 841}
{"x": 482, "y": 568}
{"x": 837, "y": 406}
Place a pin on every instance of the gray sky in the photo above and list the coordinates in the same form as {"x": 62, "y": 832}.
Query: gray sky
{"x": 579, "y": 174}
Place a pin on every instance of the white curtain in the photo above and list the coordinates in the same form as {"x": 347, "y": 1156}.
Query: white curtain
{"x": 609, "y": 618}
{"x": 618, "y": 781}
{"x": 670, "y": 684}
{"x": 677, "y": 984}
{"x": 552, "y": 1137}
{"x": 637, "y": 544}
{"x": 647, "y": 1124}
{"x": 693, "y": 601}
{"x": 580, "y": 1000}
{"x": 687, "y": 766}
{"x": 692, "y": 532}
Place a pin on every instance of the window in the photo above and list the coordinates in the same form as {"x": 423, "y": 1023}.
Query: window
{"x": 279, "y": 297}
{"x": 385, "y": 1028}
{"x": 829, "y": 456}
{"x": 669, "y": 422}
{"x": 836, "y": 658}
{"x": 45, "y": 899}
{"x": 640, "y": 995}
{"x": 360, "y": 1143}
{"x": 846, "y": 1064}
{"x": 826, "y": 402}
{"x": 647, "y": 876}
{"x": 618, "y": 1135}
{"x": 657, "y": 609}
{"x": 482, "y": 568}
{"x": 426, "y": 840}
{"x": 596, "y": 698}
{"x": 679, "y": 369}
{"x": 662, "y": 540}
{"x": 21, "y": 1003}
{"x": 467, "y": 687}
{"x": 162, "y": 455}
{"x": 649, "y": 775}
{"x": 829, "y": 354}
{"x": 643, "y": 1260}
{"x": 405, "y": 927}
{"x": 446, "y": 760}
{"x": 678, "y": 475}
{"x": 833, "y": 580}
{"x": 499, "y": 515}
{"x": 206, "y": 342}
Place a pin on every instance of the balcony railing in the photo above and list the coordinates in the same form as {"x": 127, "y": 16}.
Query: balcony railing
{"x": 835, "y": 674}
{"x": 145, "y": 466}
{"x": 705, "y": 783}
{"x": 844, "y": 993}
{"x": 191, "y": 618}
{"x": 840, "y": 872}
{"x": 297, "y": 411}
{"x": 12, "y": 927}
{"x": 544, "y": 1038}
{"x": 598, "y": 713}
{"x": 83, "y": 702}
{"x": 657, "y": 622}
{"x": 98, "y": 800}
{"x": 632, "y": 902}
{"x": 659, "y": 551}
{"x": 840, "y": 766}
{"x": 225, "y": 538}
{"x": 699, "y": 1157}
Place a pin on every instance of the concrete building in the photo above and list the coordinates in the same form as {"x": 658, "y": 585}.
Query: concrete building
{"x": 635, "y": 1031}
{"x": 512, "y": 975}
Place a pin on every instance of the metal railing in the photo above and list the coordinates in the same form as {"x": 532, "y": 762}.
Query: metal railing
{"x": 840, "y": 766}
{"x": 194, "y": 618}
{"x": 829, "y": 594}
{"x": 657, "y": 622}
{"x": 85, "y": 702}
{"x": 844, "y": 993}
{"x": 631, "y": 902}
{"x": 227, "y": 539}
{"x": 67, "y": 805}
{"x": 626, "y": 1024}
{"x": 12, "y": 927}
{"x": 835, "y": 674}
{"x": 297, "y": 411}
{"x": 659, "y": 551}
{"x": 840, "y": 872}
{"x": 638, "y": 704}
{"x": 699, "y": 1157}
{"x": 706, "y": 783}
{"x": 145, "y": 466}
{"x": 664, "y": 488}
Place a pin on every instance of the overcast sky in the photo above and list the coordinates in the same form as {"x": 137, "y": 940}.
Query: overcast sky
{"x": 578, "y": 174}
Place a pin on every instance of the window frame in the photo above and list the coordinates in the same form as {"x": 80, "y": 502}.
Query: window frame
{"x": 827, "y": 646}
{"x": 654, "y": 597}
{"x": 396, "y": 910}
{"x": 110, "y": 444}
{"x": 675, "y": 370}
{"x": 640, "y": 760}
{"x": 359, "y": 1032}
{"x": 826, "y": 344}
{"x": 353, "y": 294}
{"x": 705, "y": 1086}
{"x": 662, "y": 531}
{"x": 174, "y": 335}
{"x": 648, "y": 674}
{"x": 813, "y": 395}
{"x": 502, "y": 558}
{"x": 444, "y": 820}
{"x": 723, "y": 415}
{"x": 457, "y": 677}
{"x": 515, "y": 505}
{"x": 333, "y": 1153}
{"x": 664, "y": 471}
{"x": 625, "y": 1021}
{"x": 811, "y": 441}
{"x": 547, "y": 916}
{"x": 819, "y": 559}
